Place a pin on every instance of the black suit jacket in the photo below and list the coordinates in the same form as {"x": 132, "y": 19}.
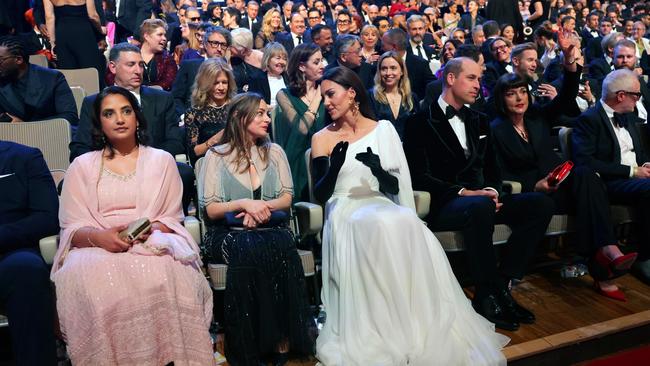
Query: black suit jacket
{"x": 243, "y": 73}
{"x": 594, "y": 144}
{"x": 47, "y": 96}
{"x": 182, "y": 86}
{"x": 434, "y": 90}
{"x": 286, "y": 40}
{"x": 366, "y": 73}
{"x": 133, "y": 13}
{"x": 259, "y": 83}
{"x": 437, "y": 161}
{"x": 586, "y": 36}
{"x": 29, "y": 205}
{"x": 162, "y": 123}
{"x": 419, "y": 74}
{"x": 465, "y": 21}
{"x": 383, "y": 111}
{"x": 493, "y": 71}
{"x": 428, "y": 50}
{"x": 245, "y": 23}
{"x": 593, "y": 49}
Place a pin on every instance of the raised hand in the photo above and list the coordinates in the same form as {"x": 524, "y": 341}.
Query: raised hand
{"x": 369, "y": 159}
{"x": 337, "y": 157}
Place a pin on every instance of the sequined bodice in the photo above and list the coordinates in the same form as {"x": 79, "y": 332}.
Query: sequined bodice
{"x": 116, "y": 195}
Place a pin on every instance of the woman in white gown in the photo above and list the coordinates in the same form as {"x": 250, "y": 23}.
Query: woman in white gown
{"x": 390, "y": 295}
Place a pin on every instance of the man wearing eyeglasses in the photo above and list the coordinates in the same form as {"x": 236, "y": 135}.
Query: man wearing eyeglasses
{"x": 347, "y": 50}
{"x": 499, "y": 65}
{"x": 216, "y": 42}
{"x": 343, "y": 20}
{"x": 607, "y": 140}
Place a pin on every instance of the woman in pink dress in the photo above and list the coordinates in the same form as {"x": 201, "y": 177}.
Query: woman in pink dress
{"x": 140, "y": 303}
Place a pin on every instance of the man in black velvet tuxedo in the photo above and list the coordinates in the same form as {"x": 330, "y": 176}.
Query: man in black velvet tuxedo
{"x": 450, "y": 154}
{"x": 157, "y": 106}
{"x": 28, "y": 212}
{"x": 29, "y": 92}
{"x": 606, "y": 140}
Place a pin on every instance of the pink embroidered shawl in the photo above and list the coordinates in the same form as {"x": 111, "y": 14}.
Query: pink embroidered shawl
{"x": 158, "y": 198}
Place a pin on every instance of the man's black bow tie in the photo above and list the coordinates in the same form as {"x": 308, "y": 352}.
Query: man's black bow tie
{"x": 620, "y": 119}
{"x": 450, "y": 112}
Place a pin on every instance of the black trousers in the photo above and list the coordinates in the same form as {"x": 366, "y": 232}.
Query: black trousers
{"x": 584, "y": 195}
{"x": 636, "y": 193}
{"x": 187, "y": 176}
{"x": 527, "y": 215}
{"x": 26, "y": 298}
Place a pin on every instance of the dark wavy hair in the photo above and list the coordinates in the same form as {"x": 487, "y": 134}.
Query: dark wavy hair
{"x": 99, "y": 140}
{"x": 505, "y": 83}
{"x": 299, "y": 55}
{"x": 349, "y": 79}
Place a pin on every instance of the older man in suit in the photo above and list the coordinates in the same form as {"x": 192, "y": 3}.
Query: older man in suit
{"x": 28, "y": 212}
{"x": 605, "y": 139}
{"x": 296, "y": 35}
{"x": 347, "y": 49}
{"x": 216, "y": 42}
{"x": 29, "y": 92}
{"x": 450, "y": 154}
{"x": 125, "y": 61}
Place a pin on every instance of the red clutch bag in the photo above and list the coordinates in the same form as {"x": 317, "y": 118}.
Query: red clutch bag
{"x": 560, "y": 173}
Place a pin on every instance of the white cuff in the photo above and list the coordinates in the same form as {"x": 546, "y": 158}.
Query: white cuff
{"x": 492, "y": 189}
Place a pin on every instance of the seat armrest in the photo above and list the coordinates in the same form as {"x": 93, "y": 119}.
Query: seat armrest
{"x": 511, "y": 187}
{"x": 193, "y": 225}
{"x": 422, "y": 203}
{"x": 181, "y": 158}
{"x": 310, "y": 218}
{"x": 48, "y": 246}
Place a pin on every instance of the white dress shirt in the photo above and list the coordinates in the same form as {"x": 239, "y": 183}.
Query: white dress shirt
{"x": 275, "y": 85}
{"x": 457, "y": 125}
{"x": 414, "y": 48}
{"x": 295, "y": 39}
{"x": 625, "y": 143}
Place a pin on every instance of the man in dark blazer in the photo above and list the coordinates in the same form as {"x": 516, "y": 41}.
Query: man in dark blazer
{"x": 347, "y": 50}
{"x": 418, "y": 44}
{"x": 296, "y": 35}
{"x": 157, "y": 106}
{"x": 471, "y": 18}
{"x": 499, "y": 65}
{"x": 28, "y": 212}
{"x": 606, "y": 140}
{"x": 251, "y": 21}
{"x": 450, "y": 154}
{"x": 216, "y": 42}
{"x": 29, "y": 92}
{"x": 419, "y": 72}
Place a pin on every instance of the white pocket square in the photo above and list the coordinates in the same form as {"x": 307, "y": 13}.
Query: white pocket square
{"x": 6, "y": 175}
{"x": 482, "y": 137}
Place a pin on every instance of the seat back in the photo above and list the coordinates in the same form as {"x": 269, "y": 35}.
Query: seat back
{"x": 87, "y": 78}
{"x": 79, "y": 94}
{"x": 39, "y": 60}
{"x": 52, "y": 137}
{"x": 309, "y": 182}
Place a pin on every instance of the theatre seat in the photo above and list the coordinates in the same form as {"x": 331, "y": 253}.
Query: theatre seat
{"x": 307, "y": 219}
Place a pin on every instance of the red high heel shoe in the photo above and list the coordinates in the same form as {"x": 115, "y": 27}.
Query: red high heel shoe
{"x": 616, "y": 294}
{"x": 604, "y": 268}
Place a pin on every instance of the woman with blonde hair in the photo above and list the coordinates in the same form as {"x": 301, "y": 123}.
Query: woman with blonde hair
{"x": 271, "y": 25}
{"x": 392, "y": 98}
{"x": 213, "y": 89}
{"x": 273, "y": 77}
{"x": 195, "y": 41}
{"x": 246, "y": 193}
{"x": 369, "y": 44}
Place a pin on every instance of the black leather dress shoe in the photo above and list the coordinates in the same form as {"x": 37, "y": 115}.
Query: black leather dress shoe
{"x": 516, "y": 311}
{"x": 489, "y": 308}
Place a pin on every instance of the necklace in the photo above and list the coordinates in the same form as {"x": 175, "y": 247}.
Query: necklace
{"x": 521, "y": 132}
{"x": 128, "y": 153}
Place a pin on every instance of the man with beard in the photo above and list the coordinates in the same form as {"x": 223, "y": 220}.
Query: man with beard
{"x": 321, "y": 35}
{"x": 419, "y": 43}
{"x": 29, "y": 92}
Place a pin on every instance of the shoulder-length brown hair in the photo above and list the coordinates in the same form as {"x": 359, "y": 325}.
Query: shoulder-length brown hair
{"x": 299, "y": 55}
{"x": 241, "y": 112}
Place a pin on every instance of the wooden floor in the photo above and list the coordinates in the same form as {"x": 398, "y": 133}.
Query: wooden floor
{"x": 568, "y": 311}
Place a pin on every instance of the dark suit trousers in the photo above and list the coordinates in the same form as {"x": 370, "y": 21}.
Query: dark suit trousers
{"x": 27, "y": 299}
{"x": 584, "y": 195}
{"x": 187, "y": 176}
{"x": 636, "y": 193}
{"x": 527, "y": 215}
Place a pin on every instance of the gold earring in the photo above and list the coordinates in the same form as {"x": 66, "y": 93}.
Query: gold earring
{"x": 354, "y": 106}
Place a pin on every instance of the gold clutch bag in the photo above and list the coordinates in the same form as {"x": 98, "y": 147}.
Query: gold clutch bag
{"x": 135, "y": 230}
